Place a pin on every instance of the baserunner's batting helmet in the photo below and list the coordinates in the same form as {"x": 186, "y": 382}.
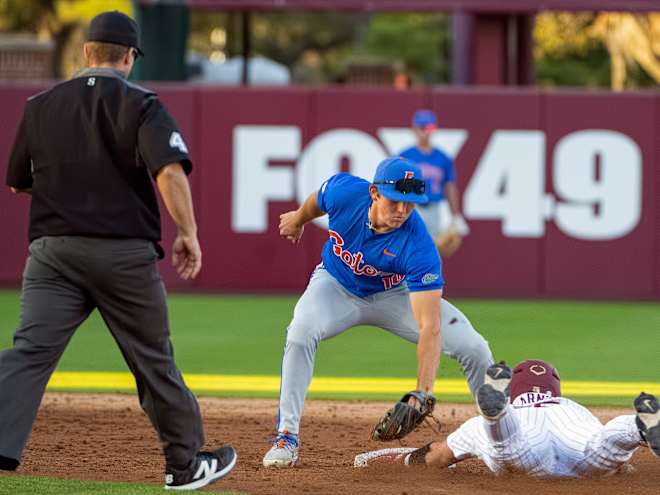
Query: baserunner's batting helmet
{"x": 535, "y": 376}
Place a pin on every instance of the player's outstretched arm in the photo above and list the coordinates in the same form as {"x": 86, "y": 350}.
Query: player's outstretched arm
{"x": 439, "y": 455}
{"x": 426, "y": 309}
{"x": 434, "y": 454}
{"x": 292, "y": 223}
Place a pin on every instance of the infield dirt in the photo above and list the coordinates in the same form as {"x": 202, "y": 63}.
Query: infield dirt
{"x": 107, "y": 437}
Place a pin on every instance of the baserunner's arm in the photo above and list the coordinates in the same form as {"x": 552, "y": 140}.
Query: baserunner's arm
{"x": 436, "y": 454}
{"x": 292, "y": 223}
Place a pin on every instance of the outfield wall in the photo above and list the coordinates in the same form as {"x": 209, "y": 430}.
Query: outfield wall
{"x": 561, "y": 189}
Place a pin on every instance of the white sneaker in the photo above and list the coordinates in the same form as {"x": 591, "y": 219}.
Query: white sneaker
{"x": 284, "y": 452}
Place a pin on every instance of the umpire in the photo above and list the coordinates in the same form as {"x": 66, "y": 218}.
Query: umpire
{"x": 86, "y": 150}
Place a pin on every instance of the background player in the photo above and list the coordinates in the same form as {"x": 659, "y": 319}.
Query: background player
{"x": 538, "y": 432}
{"x": 438, "y": 171}
{"x": 380, "y": 267}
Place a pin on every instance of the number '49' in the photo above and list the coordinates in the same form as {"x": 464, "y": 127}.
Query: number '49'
{"x": 596, "y": 174}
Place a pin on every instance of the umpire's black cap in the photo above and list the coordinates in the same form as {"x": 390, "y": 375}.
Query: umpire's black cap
{"x": 115, "y": 27}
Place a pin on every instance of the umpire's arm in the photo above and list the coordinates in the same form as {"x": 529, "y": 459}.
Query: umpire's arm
{"x": 426, "y": 309}
{"x": 175, "y": 190}
{"x": 19, "y": 171}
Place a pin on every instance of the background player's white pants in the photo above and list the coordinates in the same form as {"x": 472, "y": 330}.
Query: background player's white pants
{"x": 561, "y": 440}
{"x": 436, "y": 216}
{"x": 326, "y": 309}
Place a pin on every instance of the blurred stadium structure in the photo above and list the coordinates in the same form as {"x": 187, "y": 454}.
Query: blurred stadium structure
{"x": 509, "y": 42}
{"x": 560, "y": 187}
{"x": 23, "y": 57}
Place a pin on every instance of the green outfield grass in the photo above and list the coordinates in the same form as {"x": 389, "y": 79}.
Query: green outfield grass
{"x": 24, "y": 485}
{"x": 244, "y": 335}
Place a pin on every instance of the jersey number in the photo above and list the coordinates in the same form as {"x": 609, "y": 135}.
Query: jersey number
{"x": 176, "y": 141}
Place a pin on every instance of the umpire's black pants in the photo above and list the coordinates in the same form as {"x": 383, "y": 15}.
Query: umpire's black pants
{"x": 67, "y": 277}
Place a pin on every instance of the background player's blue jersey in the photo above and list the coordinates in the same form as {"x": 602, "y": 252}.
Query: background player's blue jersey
{"x": 365, "y": 262}
{"x": 437, "y": 168}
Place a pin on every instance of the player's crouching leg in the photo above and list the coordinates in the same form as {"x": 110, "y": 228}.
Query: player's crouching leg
{"x": 303, "y": 336}
{"x": 470, "y": 349}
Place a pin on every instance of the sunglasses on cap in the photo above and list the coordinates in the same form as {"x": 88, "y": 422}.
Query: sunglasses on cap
{"x": 406, "y": 186}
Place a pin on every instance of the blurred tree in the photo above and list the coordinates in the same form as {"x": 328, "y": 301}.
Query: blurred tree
{"x": 202, "y": 25}
{"x": 567, "y": 53}
{"x": 421, "y": 42}
{"x": 603, "y": 49}
{"x": 63, "y": 21}
{"x": 561, "y": 33}
{"x": 631, "y": 39}
{"x": 314, "y": 45}
{"x": 36, "y": 16}
{"x": 318, "y": 46}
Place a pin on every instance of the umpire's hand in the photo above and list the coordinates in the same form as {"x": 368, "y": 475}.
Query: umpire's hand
{"x": 186, "y": 256}
{"x": 175, "y": 190}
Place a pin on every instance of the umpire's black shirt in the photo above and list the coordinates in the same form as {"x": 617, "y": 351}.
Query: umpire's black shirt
{"x": 87, "y": 148}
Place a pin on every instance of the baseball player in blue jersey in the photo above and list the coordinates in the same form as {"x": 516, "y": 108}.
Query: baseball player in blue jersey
{"x": 438, "y": 170}
{"x": 379, "y": 267}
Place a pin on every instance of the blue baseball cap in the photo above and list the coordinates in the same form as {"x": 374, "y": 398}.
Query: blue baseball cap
{"x": 399, "y": 179}
{"x": 425, "y": 119}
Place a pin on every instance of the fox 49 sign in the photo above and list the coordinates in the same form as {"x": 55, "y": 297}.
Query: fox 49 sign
{"x": 595, "y": 174}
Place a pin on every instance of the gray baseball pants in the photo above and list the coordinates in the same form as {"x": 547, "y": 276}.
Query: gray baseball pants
{"x": 432, "y": 216}
{"x": 65, "y": 278}
{"x": 326, "y": 309}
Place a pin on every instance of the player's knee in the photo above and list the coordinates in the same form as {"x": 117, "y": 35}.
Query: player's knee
{"x": 25, "y": 350}
{"x": 477, "y": 353}
{"x": 303, "y": 333}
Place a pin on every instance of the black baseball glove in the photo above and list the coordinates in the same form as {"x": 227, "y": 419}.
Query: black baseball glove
{"x": 403, "y": 418}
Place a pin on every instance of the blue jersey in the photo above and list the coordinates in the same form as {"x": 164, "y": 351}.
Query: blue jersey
{"x": 365, "y": 262}
{"x": 437, "y": 168}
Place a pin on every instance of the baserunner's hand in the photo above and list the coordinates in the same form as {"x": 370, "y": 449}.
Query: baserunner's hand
{"x": 186, "y": 256}
{"x": 290, "y": 226}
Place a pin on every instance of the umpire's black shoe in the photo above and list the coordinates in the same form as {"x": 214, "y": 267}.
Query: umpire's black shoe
{"x": 206, "y": 468}
{"x": 648, "y": 420}
{"x": 8, "y": 464}
{"x": 493, "y": 395}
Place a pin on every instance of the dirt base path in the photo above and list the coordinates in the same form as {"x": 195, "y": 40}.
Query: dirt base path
{"x": 107, "y": 437}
